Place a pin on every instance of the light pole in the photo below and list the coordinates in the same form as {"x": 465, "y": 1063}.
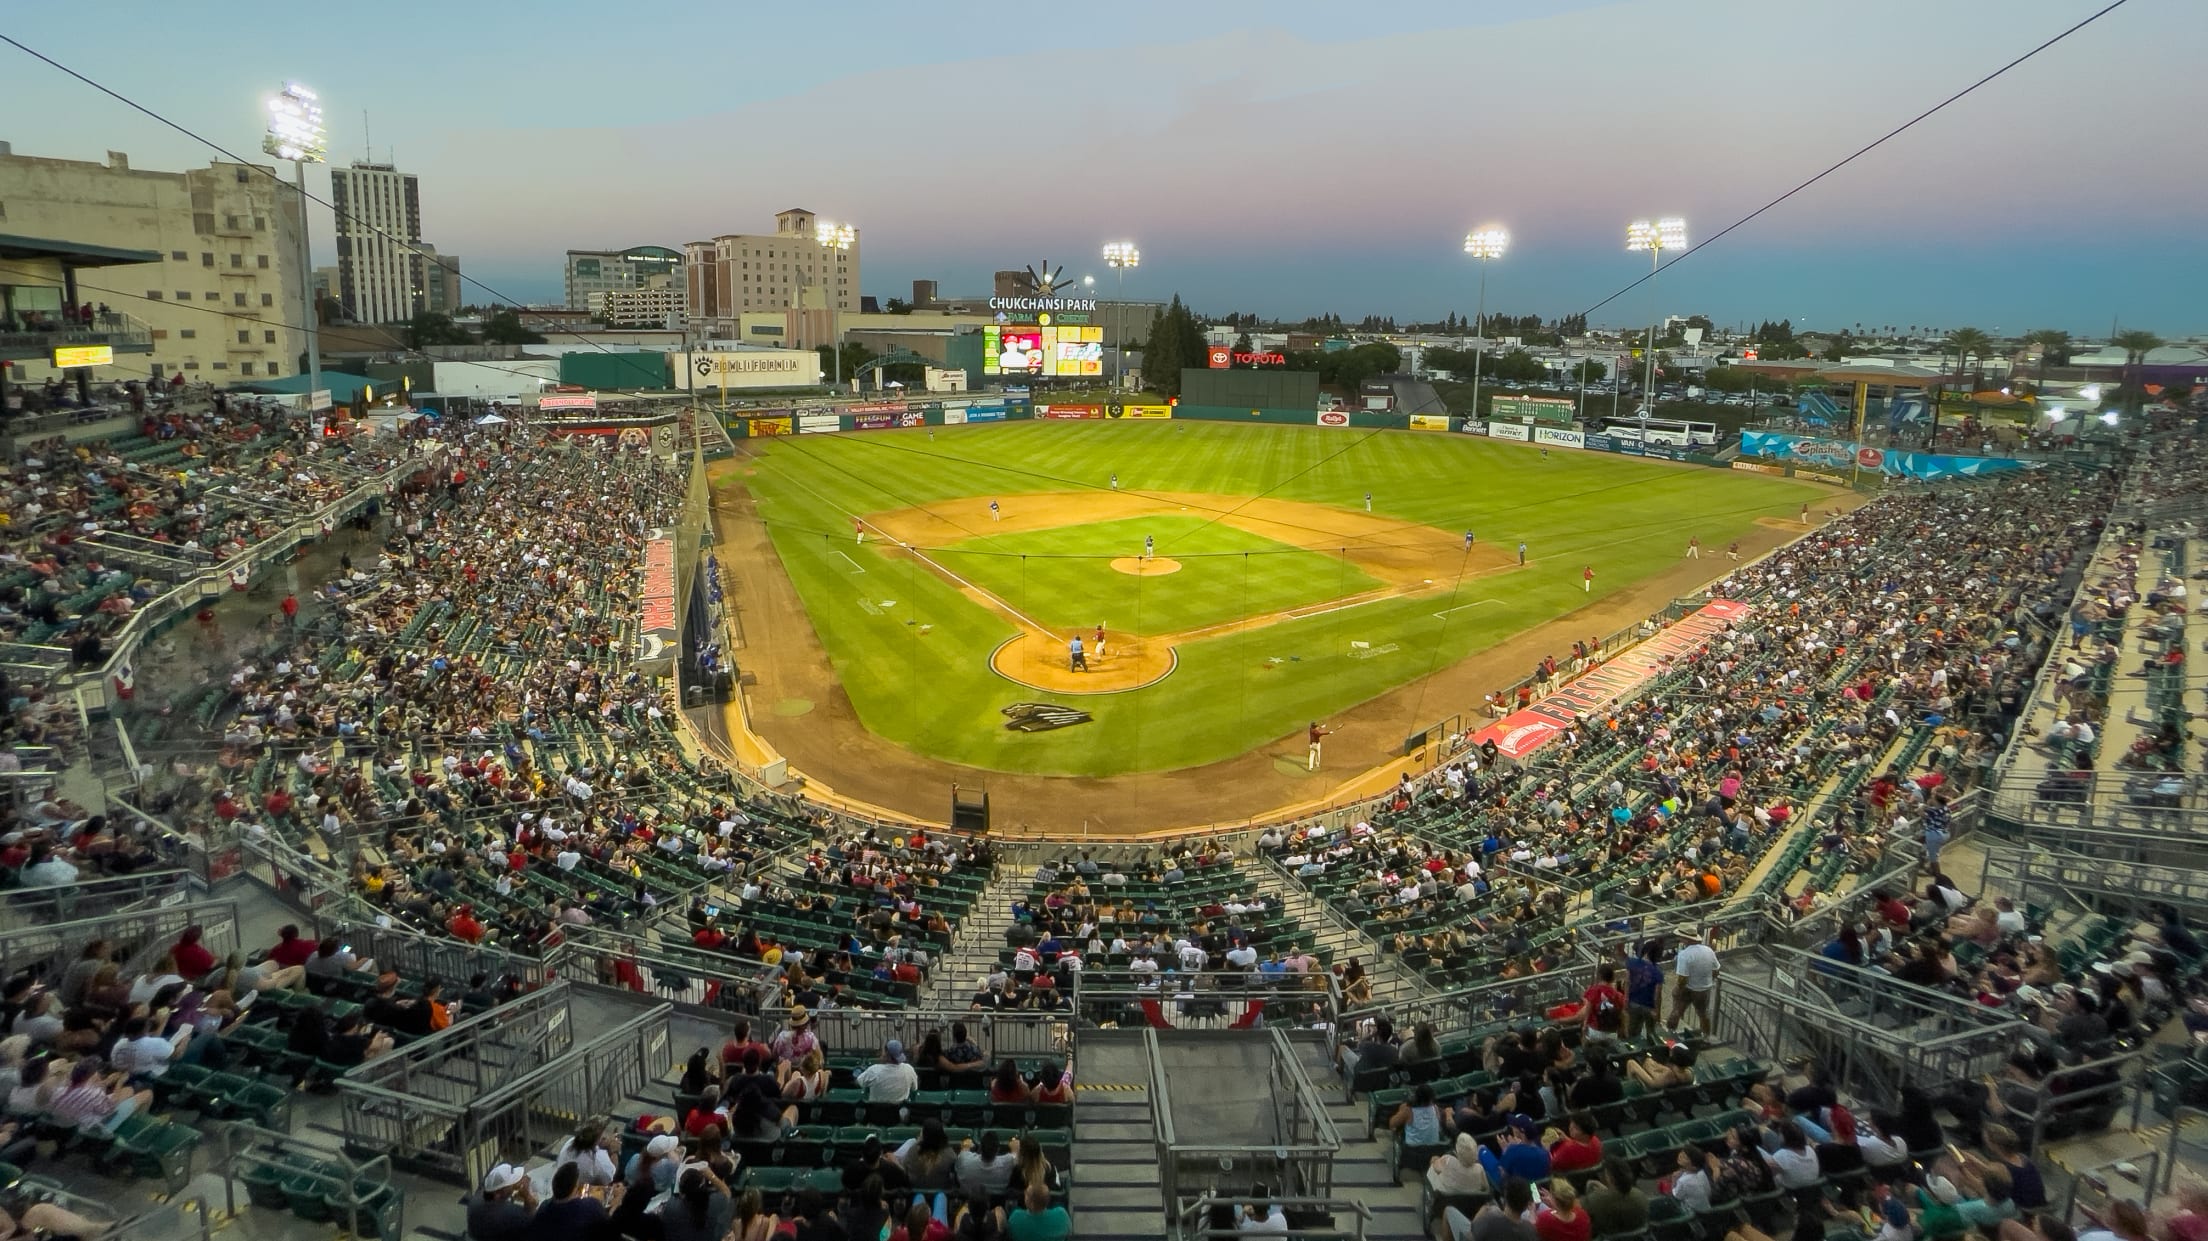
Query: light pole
{"x": 295, "y": 133}
{"x": 1669, "y": 233}
{"x": 834, "y": 239}
{"x": 1482, "y": 244}
{"x": 1119, "y": 256}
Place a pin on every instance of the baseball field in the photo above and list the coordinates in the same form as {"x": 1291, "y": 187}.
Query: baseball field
{"x": 1271, "y": 593}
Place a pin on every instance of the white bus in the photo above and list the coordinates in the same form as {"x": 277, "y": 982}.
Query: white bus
{"x": 1662, "y": 431}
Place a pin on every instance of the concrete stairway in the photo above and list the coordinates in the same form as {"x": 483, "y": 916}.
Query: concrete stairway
{"x": 1115, "y": 1157}
{"x": 1361, "y": 1167}
{"x": 1392, "y": 983}
{"x": 975, "y": 943}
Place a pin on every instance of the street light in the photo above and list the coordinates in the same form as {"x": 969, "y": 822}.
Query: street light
{"x": 1482, "y": 244}
{"x": 837, "y": 238}
{"x": 1119, "y": 256}
{"x": 1669, "y": 233}
{"x": 295, "y": 133}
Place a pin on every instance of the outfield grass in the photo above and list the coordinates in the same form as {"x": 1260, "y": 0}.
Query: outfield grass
{"x": 1063, "y": 578}
{"x": 912, "y": 651}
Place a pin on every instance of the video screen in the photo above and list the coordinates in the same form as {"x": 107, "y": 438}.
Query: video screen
{"x": 1013, "y": 351}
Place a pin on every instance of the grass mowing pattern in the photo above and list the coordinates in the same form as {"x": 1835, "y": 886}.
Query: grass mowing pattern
{"x": 933, "y": 691}
{"x": 1063, "y": 578}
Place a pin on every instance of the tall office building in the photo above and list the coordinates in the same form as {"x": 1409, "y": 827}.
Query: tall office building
{"x": 225, "y": 301}
{"x": 618, "y": 271}
{"x": 382, "y": 274}
{"x": 787, "y": 269}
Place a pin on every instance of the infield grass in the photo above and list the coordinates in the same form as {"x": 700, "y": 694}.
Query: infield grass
{"x": 912, "y": 650}
{"x": 1063, "y": 578}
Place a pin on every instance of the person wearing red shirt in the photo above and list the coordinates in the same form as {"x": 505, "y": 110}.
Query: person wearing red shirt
{"x": 1560, "y": 1217}
{"x": 290, "y": 949}
{"x": 1602, "y": 1009}
{"x": 277, "y": 803}
{"x": 708, "y": 936}
{"x": 463, "y": 925}
{"x": 1581, "y": 1147}
{"x": 193, "y": 961}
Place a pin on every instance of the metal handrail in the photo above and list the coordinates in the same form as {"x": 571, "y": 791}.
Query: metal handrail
{"x": 1193, "y": 1211}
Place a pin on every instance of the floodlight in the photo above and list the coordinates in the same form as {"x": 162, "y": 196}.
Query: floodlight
{"x": 1122, "y": 254}
{"x": 1669, "y": 233}
{"x": 1486, "y": 243}
{"x": 295, "y": 126}
{"x": 834, "y": 236}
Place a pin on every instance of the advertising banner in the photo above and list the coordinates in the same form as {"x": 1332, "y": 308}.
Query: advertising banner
{"x": 876, "y": 407}
{"x": 985, "y": 411}
{"x": 1595, "y": 441}
{"x": 1628, "y": 447}
{"x": 1474, "y": 428}
{"x": 1838, "y": 455}
{"x": 769, "y": 426}
{"x": 655, "y": 628}
{"x": 587, "y": 401}
{"x": 1557, "y": 438}
{"x": 1069, "y": 413}
{"x": 1142, "y": 411}
{"x": 1522, "y": 732}
{"x": 873, "y": 421}
{"x": 913, "y": 418}
{"x": 1511, "y": 431}
{"x": 1429, "y": 422}
{"x": 1758, "y": 467}
{"x": 818, "y": 424}
{"x": 1333, "y": 417}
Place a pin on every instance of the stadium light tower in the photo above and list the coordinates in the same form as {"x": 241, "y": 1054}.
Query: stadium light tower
{"x": 295, "y": 132}
{"x": 1668, "y": 233}
{"x": 1119, "y": 256}
{"x": 1482, "y": 244}
{"x": 834, "y": 237}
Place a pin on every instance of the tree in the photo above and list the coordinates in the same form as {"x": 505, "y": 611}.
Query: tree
{"x": 897, "y": 306}
{"x": 504, "y": 328}
{"x": 1518, "y": 366}
{"x": 428, "y": 328}
{"x": 1967, "y": 343}
{"x": 1176, "y": 340}
{"x": 2054, "y": 349}
{"x": 2136, "y": 346}
{"x": 1590, "y": 371}
{"x": 1242, "y": 345}
{"x": 1728, "y": 379}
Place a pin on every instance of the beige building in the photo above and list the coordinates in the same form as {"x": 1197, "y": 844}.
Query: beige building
{"x": 788, "y": 269}
{"x": 225, "y": 301}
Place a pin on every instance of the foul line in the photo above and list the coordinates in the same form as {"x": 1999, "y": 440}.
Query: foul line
{"x": 1443, "y": 614}
{"x": 856, "y": 569}
{"x": 1341, "y": 607}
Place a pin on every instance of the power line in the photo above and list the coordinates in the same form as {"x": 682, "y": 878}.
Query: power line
{"x": 336, "y": 212}
{"x": 1859, "y": 153}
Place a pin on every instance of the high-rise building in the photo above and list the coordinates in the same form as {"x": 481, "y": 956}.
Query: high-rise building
{"x": 381, "y": 269}
{"x": 224, "y": 302}
{"x": 440, "y": 282}
{"x": 613, "y": 271}
{"x": 788, "y": 269}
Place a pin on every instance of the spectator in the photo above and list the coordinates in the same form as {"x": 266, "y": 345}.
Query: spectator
{"x": 890, "y": 1080}
{"x": 1560, "y": 1217}
{"x": 571, "y": 1215}
{"x": 701, "y": 1209}
{"x": 1036, "y": 1219}
{"x": 505, "y": 1208}
{"x": 986, "y": 1169}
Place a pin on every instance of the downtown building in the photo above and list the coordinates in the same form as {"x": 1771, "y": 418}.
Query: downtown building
{"x": 592, "y": 273}
{"x": 786, "y": 270}
{"x": 386, "y": 273}
{"x": 218, "y": 294}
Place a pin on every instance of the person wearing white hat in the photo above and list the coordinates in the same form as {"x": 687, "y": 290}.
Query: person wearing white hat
{"x": 658, "y": 1161}
{"x": 504, "y": 1208}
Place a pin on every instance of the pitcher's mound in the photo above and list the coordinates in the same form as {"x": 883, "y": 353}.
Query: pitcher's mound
{"x": 1156, "y": 566}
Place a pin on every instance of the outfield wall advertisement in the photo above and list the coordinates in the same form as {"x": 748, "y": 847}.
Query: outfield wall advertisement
{"x": 1141, "y": 411}
{"x": 1069, "y": 413}
{"x": 1528, "y": 729}
{"x": 1511, "y": 431}
{"x": 1429, "y": 422}
{"x": 1837, "y": 455}
{"x": 1557, "y": 438}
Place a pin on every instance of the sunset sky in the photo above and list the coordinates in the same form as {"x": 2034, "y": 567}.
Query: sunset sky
{"x": 1286, "y": 158}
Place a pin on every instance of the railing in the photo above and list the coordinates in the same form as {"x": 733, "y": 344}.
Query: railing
{"x": 107, "y": 327}
{"x": 414, "y": 955}
{"x": 2072, "y": 1090}
{"x": 1207, "y": 999}
{"x": 140, "y": 936}
{"x": 1871, "y": 1033}
{"x": 516, "y": 1120}
{"x": 1195, "y": 1213}
{"x": 93, "y": 898}
{"x": 411, "y": 1103}
{"x": 2101, "y": 884}
{"x": 1025, "y": 1036}
{"x": 1296, "y": 1160}
{"x": 360, "y": 1193}
{"x": 1467, "y": 1011}
{"x": 703, "y": 984}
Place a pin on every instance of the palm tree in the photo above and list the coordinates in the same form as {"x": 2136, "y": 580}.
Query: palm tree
{"x": 1967, "y": 343}
{"x": 2136, "y": 346}
{"x": 2050, "y": 341}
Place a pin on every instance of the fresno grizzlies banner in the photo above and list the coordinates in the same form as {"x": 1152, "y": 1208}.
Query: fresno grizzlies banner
{"x": 1840, "y": 455}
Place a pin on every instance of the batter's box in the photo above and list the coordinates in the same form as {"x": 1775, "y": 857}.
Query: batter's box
{"x": 1366, "y": 650}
